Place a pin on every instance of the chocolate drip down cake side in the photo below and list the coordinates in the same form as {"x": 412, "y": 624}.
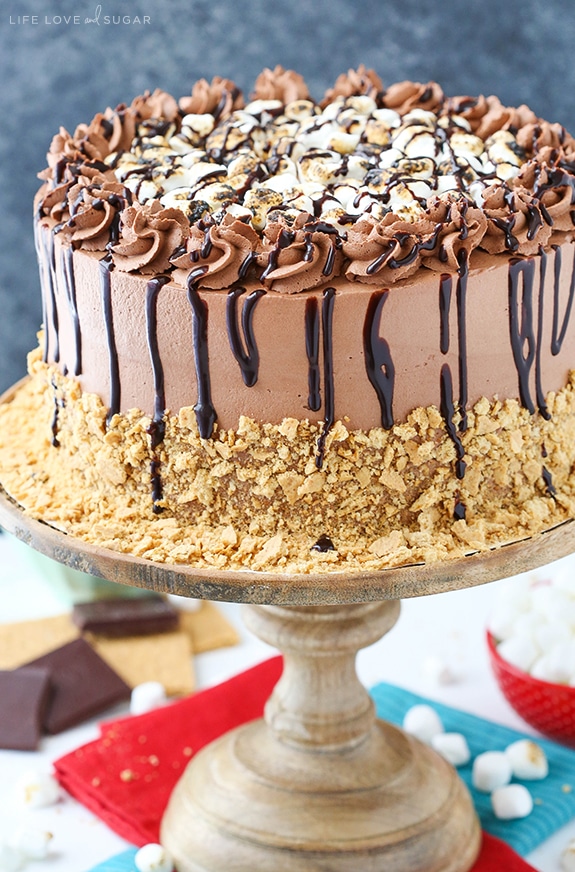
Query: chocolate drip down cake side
{"x": 300, "y": 336}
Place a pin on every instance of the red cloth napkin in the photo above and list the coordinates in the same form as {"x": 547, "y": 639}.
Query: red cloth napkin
{"x": 126, "y": 776}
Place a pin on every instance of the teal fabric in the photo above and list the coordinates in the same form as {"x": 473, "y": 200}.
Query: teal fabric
{"x": 123, "y": 862}
{"x": 554, "y": 796}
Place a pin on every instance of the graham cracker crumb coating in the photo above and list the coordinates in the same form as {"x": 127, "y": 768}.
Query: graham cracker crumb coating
{"x": 253, "y": 497}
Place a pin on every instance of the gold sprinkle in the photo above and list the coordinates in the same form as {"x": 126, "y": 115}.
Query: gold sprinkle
{"x": 127, "y": 775}
{"x": 566, "y": 788}
{"x": 188, "y": 752}
{"x": 153, "y": 760}
{"x": 96, "y": 782}
{"x": 538, "y": 801}
{"x": 142, "y": 740}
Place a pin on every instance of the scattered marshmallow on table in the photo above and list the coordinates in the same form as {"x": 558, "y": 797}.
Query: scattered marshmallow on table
{"x": 528, "y": 760}
{"x": 31, "y": 842}
{"x": 10, "y": 859}
{"x": 453, "y": 747}
{"x": 423, "y": 722}
{"x": 491, "y": 770}
{"x": 568, "y": 857}
{"x": 37, "y": 789}
{"x": 153, "y": 858}
{"x": 440, "y": 670}
{"x": 147, "y": 696}
{"x": 511, "y": 802}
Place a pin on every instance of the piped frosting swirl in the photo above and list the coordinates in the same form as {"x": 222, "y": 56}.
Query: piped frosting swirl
{"x": 370, "y": 182}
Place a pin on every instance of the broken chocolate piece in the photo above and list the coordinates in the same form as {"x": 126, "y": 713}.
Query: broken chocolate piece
{"x": 23, "y": 698}
{"x": 83, "y": 685}
{"x": 323, "y": 545}
{"x": 126, "y": 617}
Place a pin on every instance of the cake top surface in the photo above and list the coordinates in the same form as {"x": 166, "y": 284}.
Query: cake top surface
{"x": 370, "y": 183}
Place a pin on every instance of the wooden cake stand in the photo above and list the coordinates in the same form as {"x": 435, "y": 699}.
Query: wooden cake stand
{"x": 319, "y": 784}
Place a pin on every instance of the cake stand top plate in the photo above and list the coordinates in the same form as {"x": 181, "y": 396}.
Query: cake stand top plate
{"x": 327, "y": 588}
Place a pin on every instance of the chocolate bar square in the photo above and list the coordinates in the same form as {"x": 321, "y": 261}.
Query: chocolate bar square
{"x": 23, "y": 699}
{"x": 125, "y": 617}
{"x": 83, "y": 685}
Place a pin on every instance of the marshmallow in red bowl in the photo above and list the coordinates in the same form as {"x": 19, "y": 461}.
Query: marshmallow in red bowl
{"x": 531, "y": 640}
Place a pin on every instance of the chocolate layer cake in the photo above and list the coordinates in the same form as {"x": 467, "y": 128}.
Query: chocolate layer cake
{"x": 295, "y": 335}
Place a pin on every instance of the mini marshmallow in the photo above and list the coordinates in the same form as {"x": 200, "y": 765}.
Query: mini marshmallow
{"x": 147, "y": 696}
{"x": 547, "y": 635}
{"x": 527, "y": 624}
{"x": 557, "y": 666}
{"x": 491, "y": 770}
{"x": 568, "y": 857}
{"x": 543, "y": 670}
{"x": 565, "y": 580}
{"x": 513, "y": 599}
{"x": 453, "y": 747}
{"x": 520, "y": 651}
{"x": 10, "y": 859}
{"x": 511, "y": 802}
{"x": 440, "y": 670}
{"x": 31, "y": 842}
{"x": 554, "y": 603}
{"x": 153, "y": 858}
{"x": 528, "y": 760}
{"x": 501, "y": 623}
{"x": 423, "y": 722}
{"x": 37, "y": 789}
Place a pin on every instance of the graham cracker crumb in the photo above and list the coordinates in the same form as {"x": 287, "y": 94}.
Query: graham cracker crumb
{"x": 254, "y": 498}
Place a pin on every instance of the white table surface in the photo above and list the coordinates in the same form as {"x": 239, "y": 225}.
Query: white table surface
{"x": 450, "y": 625}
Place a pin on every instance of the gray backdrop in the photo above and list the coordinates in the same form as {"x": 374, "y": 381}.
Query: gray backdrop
{"x": 62, "y": 73}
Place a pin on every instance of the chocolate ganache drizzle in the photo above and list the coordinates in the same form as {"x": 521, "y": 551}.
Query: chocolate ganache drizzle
{"x": 521, "y": 326}
{"x": 45, "y": 250}
{"x": 246, "y": 354}
{"x": 312, "y": 351}
{"x": 106, "y": 267}
{"x": 157, "y": 428}
{"x": 559, "y": 333}
{"x": 205, "y": 413}
{"x": 328, "y": 383}
{"x": 67, "y": 265}
{"x": 526, "y": 338}
{"x": 447, "y": 404}
{"x": 378, "y": 362}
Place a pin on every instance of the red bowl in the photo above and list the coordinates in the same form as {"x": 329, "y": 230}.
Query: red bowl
{"x": 549, "y": 708}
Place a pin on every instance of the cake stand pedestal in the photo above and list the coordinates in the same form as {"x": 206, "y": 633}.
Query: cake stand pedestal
{"x": 319, "y": 784}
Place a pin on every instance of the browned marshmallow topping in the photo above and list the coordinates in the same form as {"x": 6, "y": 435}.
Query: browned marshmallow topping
{"x": 368, "y": 183}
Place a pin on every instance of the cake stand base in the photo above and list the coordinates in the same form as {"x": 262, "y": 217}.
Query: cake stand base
{"x": 320, "y": 783}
